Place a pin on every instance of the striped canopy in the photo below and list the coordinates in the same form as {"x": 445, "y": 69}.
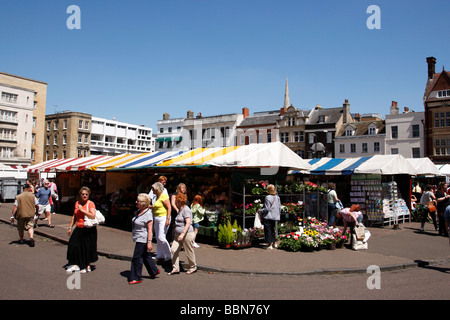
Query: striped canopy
{"x": 378, "y": 164}
{"x": 274, "y": 154}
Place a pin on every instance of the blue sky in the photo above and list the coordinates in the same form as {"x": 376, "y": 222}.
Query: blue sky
{"x": 135, "y": 60}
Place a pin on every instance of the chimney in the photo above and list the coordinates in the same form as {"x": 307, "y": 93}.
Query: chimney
{"x": 166, "y": 116}
{"x": 357, "y": 117}
{"x": 245, "y": 112}
{"x": 346, "y": 111}
{"x": 431, "y": 61}
{"x": 190, "y": 114}
{"x": 406, "y": 110}
{"x": 199, "y": 115}
{"x": 394, "y": 108}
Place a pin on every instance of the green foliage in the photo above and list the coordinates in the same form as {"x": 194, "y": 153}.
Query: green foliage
{"x": 225, "y": 234}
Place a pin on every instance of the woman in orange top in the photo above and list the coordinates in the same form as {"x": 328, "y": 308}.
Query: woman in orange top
{"x": 82, "y": 247}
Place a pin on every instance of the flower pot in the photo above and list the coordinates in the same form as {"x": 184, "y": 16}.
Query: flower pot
{"x": 331, "y": 246}
{"x": 225, "y": 245}
{"x": 340, "y": 244}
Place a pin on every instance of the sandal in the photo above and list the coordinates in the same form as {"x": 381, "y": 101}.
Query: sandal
{"x": 191, "y": 270}
{"x": 174, "y": 271}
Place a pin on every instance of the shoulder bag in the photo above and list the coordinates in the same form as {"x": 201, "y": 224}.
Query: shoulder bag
{"x": 99, "y": 218}
{"x": 430, "y": 206}
{"x": 360, "y": 232}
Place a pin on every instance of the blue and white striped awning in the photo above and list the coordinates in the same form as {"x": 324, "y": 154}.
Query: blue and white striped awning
{"x": 378, "y": 164}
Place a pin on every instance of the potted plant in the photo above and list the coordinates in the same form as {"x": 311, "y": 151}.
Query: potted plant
{"x": 225, "y": 235}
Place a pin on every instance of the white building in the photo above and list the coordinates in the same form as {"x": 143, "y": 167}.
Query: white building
{"x": 362, "y": 138}
{"x": 111, "y": 137}
{"x": 16, "y": 125}
{"x": 405, "y": 133}
{"x": 169, "y": 133}
{"x": 212, "y": 131}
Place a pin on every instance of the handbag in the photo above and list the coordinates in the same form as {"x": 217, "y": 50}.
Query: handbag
{"x": 358, "y": 244}
{"x": 99, "y": 219}
{"x": 430, "y": 206}
{"x": 360, "y": 232}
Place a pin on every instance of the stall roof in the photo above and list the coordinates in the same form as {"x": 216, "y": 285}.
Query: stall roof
{"x": 69, "y": 164}
{"x": 378, "y": 164}
{"x": 424, "y": 166}
{"x": 274, "y": 154}
{"x": 444, "y": 169}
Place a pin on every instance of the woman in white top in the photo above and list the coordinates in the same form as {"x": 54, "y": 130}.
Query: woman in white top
{"x": 332, "y": 198}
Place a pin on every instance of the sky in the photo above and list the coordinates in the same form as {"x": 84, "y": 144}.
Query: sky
{"x": 135, "y": 60}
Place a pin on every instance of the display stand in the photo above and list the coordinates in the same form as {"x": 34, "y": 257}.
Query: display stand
{"x": 394, "y": 207}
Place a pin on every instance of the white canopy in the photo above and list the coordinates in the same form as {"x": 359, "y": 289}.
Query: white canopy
{"x": 424, "y": 166}
{"x": 386, "y": 164}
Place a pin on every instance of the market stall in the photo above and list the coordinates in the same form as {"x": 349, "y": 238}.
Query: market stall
{"x": 380, "y": 184}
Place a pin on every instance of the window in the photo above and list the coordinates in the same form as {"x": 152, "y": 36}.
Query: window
{"x": 64, "y": 140}
{"x": 64, "y": 154}
{"x": 55, "y": 125}
{"x": 349, "y": 132}
{"x": 80, "y": 124}
{"x": 299, "y": 136}
{"x": 161, "y": 130}
{"x": 415, "y": 131}
{"x": 352, "y": 148}
{"x": 372, "y": 131}
{"x": 416, "y": 152}
{"x": 86, "y": 125}
{"x": 55, "y": 141}
{"x": 269, "y": 136}
{"x": 376, "y": 147}
{"x": 34, "y": 122}
{"x": 443, "y": 93}
{"x": 55, "y": 154}
{"x": 342, "y": 148}
{"x": 65, "y": 124}
{"x": 394, "y": 132}
{"x": 48, "y": 126}
{"x": 79, "y": 138}
{"x": 394, "y": 151}
{"x": 9, "y": 97}
{"x": 364, "y": 147}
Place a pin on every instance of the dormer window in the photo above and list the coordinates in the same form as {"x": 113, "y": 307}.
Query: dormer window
{"x": 372, "y": 131}
{"x": 349, "y": 132}
{"x": 321, "y": 119}
{"x": 443, "y": 93}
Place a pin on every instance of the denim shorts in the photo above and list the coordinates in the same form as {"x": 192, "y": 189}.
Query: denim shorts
{"x": 196, "y": 225}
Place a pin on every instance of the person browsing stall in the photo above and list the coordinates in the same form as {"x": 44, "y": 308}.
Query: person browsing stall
{"x": 270, "y": 213}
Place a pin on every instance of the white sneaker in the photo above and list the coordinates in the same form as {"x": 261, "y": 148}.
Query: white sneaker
{"x": 195, "y": 245}
{"x": 73, "y": 268}
{"x": 269, "y": 248}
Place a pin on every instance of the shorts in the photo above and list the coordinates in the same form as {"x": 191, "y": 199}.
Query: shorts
{"x": 196, "y": 225}
{"x": 25, "y": 223}
{"x": 44, "y": 208}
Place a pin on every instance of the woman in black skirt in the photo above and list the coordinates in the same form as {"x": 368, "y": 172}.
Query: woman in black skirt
{"x": 82, "y": 247}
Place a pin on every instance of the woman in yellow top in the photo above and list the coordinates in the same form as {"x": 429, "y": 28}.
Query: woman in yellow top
{"x": 161, "y": 220}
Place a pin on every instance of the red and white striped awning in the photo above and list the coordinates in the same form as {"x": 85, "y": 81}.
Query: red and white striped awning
{"x": 70, "y": 164}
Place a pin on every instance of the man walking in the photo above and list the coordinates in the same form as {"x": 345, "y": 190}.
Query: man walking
{"x": 43, "y": 196}
{"x": 25, "y": 207}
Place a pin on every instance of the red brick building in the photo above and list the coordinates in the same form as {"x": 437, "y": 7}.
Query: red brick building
{"x": 437, "y": 114}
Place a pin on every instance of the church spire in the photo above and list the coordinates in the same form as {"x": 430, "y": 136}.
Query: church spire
{"x": 286, "y": 96}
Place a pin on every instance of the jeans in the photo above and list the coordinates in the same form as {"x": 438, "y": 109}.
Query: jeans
{"x": 141, "y": 257}
{"x": 269, "y": 231}
{"x": 331, "y": 211}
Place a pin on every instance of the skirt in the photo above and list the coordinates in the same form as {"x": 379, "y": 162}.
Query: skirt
{"x": 82, "y": 247}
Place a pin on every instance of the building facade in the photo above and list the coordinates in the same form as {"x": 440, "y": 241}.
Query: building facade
{"x": 111, "y": 137}
{"x": 76, "y": 134}
{"x": 169, "y": 133}
{"x": 364, "y": 137}
{"x": 38, "y": 101}
{"x": 16, "y": 125}
{"x": 437, "y": 114}
{"x": 67, "y": 135}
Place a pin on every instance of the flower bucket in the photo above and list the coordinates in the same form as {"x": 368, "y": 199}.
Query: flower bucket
{"x": 331, "y": 246}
